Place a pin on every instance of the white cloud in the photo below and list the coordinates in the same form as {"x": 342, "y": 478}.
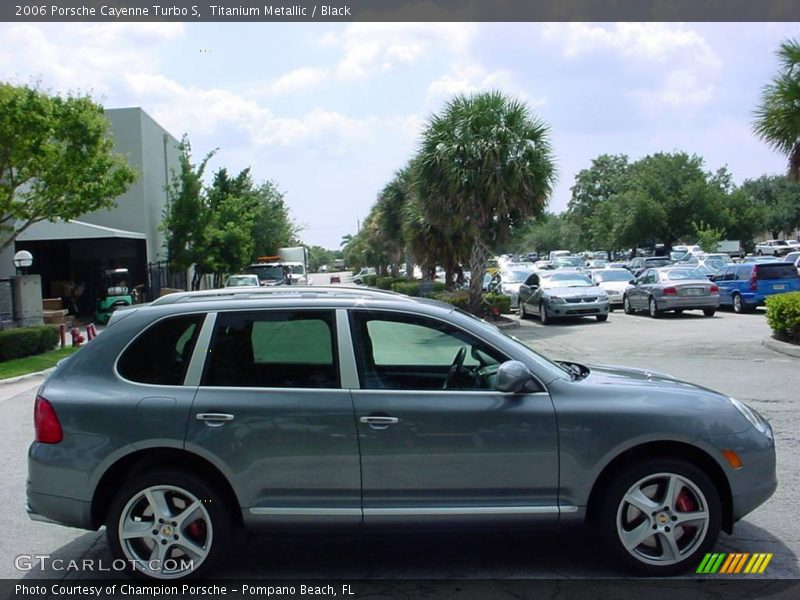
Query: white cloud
{"x": 369, "y": 48}
{"x": 681, "y": 63}
{"x": 299, "y": 80}
{"x": 467, "y": 79}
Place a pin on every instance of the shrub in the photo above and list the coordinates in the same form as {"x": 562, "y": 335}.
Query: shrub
{"x": 415, "y": 288}
{"x": 501, "y": 302}
{"x": 27, "y": 341}
{"x": 783, "y": 316}
{"x": 369, "y": 280}
{"x": 385, "y": 283}
{"x": 497, "y": 304}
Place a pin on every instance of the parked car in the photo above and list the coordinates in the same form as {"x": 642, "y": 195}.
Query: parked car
{"x": 335, "y": 279}
{"x": 365, "y": 272}
{"x": 793, "y": 258}
{"x": 794, "y": 245}
{"x": 596, "y": 263}
{"x": 613, "y": 282}
{"x": 761, "y": 259}
{"x": 568, "y": 262}
{"x": 198, "y": 416}
{"x": 773, "y": 248}
{"x": 244, "y": 280}
{"x": 639, "y": 263}
{"x": 554, "y": 254}
{"x": 746, "y": 286}
{"x": 671, "y": 289}
{"x": 562, "y": 294}
{"x": 507, "y": 281}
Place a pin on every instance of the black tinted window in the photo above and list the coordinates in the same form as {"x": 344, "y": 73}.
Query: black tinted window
{"x": 161, "y": 354}
{"x": 776, "y": 271}
{"x": 285, "y": 349}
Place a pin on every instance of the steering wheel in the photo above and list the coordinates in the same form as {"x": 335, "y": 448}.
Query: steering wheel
{"x": 455, "y": 367}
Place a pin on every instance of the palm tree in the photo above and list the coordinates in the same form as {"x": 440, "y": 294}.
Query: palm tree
{"x": 485, "y": 161}
{"x": 389, "y": 216}
{"x": 777, "y": 117}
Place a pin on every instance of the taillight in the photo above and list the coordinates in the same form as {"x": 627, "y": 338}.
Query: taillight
{"x": 714, "y": 289}
{"x": 754, "y": 279}
{"x": 45, "y": 421}
{"x": 670, "y": 291}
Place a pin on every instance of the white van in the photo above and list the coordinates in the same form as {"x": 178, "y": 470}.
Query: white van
{"x": 554, "y": 254}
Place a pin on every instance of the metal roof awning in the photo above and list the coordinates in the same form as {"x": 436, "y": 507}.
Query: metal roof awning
{"x": 74, "y": 230}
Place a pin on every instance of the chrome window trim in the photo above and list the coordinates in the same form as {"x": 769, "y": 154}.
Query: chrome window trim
{"x": 416, "y": 511}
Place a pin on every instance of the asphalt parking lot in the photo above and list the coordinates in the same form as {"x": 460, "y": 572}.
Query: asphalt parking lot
{"x": 723, "y": 352}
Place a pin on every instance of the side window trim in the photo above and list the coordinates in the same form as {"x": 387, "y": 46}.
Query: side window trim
{"x": 194, "y": 373}
{"x": 348, "y": 370}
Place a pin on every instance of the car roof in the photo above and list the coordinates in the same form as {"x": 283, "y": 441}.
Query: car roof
{"x": 286, "y": 291}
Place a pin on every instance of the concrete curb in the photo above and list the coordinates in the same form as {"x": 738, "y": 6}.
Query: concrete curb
{"x": 510, "y": 325}
{"x": 782, "y": 347}
{"x": 11, "y": 380}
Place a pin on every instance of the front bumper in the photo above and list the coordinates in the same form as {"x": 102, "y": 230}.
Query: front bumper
{"x": 577, "y": 309}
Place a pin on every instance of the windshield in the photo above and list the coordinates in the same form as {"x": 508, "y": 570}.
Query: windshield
{"x": 569, "y": 261}
{"x": 514, "y": 276}
{"x": 566, "y": 280}
{"x": 238, "y": 280}
{"x": 680, "y": 274}
{"x": 612, "y": 275}
{"x": 780, "y": 243}
{"x": 268, "y": 272}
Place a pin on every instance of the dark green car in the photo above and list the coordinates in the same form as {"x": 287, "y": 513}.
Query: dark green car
{"x": 207, "y": 412}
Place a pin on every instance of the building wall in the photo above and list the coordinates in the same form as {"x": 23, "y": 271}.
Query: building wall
{"x": 153, "y": 153}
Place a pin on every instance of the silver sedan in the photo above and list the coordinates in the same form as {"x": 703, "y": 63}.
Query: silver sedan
{"x": 671, "y": 288}
{"x": 562, "y": 294}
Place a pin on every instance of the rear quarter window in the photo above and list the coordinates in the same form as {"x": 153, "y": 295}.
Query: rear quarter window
{"x": 161, "y": 355}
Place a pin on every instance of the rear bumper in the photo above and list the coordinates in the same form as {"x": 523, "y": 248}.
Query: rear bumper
{"x": 58, "y": 510}
{"x": 687, "y": 302}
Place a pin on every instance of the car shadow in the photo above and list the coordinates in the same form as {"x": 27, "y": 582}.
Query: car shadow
{"x": 573, "y": 553}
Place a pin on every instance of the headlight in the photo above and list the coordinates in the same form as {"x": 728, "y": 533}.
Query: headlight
{"x": 753, "y": 417}
{"x": 555, "y": 299}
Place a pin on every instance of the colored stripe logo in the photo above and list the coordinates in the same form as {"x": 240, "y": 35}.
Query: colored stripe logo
{"x": 735, "y": 562}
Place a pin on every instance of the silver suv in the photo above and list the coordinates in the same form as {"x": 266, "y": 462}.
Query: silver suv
{"x": 205, "y": 413}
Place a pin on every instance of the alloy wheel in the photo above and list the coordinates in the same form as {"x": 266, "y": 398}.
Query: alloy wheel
{"x": 165, "y": 532}
{"x": 662, "y": 519}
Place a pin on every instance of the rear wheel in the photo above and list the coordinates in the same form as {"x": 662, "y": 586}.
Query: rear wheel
{"x": 169, "y": 525}
{"x": 661, "y": 516}
{"x": 678, "y": 311}
{"x": 653, "y": 308}
{"x": 709, "y": 312}
{"x": 738, "y": 304}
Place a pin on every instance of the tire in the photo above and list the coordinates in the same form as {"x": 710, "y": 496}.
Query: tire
{"x": 626, "y": 306}
{"x": 602, "y": 318}
{"x": 207, "y": 527}
{"x": 738, "y": 304}
{"x": 652, "y": 308}
{"x": 522, "y": 313}
{"x": 642, "y": 527}
{"x": 678, "y": 311}
{"x": 544, "y": 317}
{"x": 759, "y": 253}
{"x": 709, "y": 312}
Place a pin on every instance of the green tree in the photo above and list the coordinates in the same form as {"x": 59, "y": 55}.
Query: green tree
{"x": 186, "y": 214}
{"x": 777, "y": 117}
{"x": 273, "y": 226}
{"x": 708, "y": 238}
{"x": 56, "y": 159}
{"x": 779, "y": 198}
{"x": 744, "y": 218}
{"x": 486, "y": 161}
{"x": 319, "y": 256}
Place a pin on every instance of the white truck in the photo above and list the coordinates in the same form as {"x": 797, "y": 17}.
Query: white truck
{"x": 732, "y": 248}
{"x": 289, "y": 267}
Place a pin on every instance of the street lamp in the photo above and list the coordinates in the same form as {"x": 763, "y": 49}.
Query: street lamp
{"x": 22, "y": 260}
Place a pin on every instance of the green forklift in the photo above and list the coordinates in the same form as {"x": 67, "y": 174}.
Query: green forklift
{"x": 113, "y": 293}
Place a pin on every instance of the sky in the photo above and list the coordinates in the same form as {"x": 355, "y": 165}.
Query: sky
{"x": 330, "y": 111}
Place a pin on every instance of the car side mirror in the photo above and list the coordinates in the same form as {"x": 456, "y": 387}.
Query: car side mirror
{"x": 513, "y": 377}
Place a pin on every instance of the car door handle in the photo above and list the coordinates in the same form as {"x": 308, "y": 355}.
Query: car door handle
{"x": 376, "y": 422}
{"x": 214, "y": 419}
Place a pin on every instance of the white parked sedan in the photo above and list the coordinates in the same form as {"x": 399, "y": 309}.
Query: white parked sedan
{"x": 613, "y": 282}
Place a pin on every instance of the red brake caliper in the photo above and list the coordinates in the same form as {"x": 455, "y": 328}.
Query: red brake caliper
{"x": 197, "y": 530}
{"x": 685, "y": 503}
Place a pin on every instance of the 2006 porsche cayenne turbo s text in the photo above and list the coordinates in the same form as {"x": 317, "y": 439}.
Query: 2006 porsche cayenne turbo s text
{"x": 207, "y": 412}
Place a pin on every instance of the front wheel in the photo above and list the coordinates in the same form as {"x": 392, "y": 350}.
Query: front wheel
{"x": 544, "y": 316}
{"x": 602, "y": 318}
{"x": 169, "y": 525}
{"x": 522, "y": 313}
{"x": 626, "y": 306}
{"x": 709, "y": 312}
{"x": 661, "y": 516}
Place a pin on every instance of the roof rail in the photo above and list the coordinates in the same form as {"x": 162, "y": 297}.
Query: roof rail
{"x": 283, "y": 291}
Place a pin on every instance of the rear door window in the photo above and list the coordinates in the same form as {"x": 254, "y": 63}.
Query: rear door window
{"x": 744, "y": 272}
{"x": 282, "y": 349}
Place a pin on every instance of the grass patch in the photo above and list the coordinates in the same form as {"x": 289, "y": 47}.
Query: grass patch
{"x": 33, "y": 364}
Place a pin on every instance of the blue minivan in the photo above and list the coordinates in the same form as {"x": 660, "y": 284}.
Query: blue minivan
{"x": 746, "y": 286}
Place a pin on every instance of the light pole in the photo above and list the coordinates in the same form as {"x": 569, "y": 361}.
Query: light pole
{"x": 22, "y": 261}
